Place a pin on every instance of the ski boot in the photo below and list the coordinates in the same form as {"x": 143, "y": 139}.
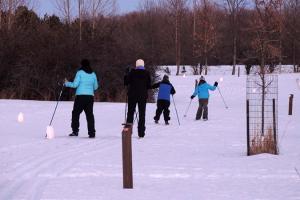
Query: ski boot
{"x": 73, "y": 134}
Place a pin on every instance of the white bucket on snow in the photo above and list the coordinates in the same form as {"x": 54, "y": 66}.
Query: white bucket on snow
{"x": 20, "y": 117}
{"x": 50, "y": 132}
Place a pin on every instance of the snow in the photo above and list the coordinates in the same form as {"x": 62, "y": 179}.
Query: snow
{"x": 197, "y": 160}
{"x": 225, "y": 69}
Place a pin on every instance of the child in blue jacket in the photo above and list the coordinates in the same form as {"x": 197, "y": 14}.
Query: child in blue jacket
{"x": 163, "y": 99}
{"x": 85, "y": 83}
{"x": 202, "y": 90}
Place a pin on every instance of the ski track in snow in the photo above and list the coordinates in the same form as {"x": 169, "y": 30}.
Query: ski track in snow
{"x": 38, "y": 169}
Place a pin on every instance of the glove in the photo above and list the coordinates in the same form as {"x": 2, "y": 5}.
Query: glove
{"x": 192, "y": 96}
{"x": 65, "y": 82}
{"x": 216, "y": 84}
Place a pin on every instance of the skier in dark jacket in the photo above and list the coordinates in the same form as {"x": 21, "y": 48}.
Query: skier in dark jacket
{"x": 138, "y": 81}
{"x": 203, "y": 96}
{"x": 85, "y": 83}
{"x": 163, "y": 99}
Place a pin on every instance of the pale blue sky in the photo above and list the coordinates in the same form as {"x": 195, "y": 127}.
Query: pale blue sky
{"x": 48, "y": 6}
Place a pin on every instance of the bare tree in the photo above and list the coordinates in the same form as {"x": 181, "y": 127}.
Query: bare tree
{"x": 100, "y": 8}
{"x": 195, "y": 67}
{"x": 1, "y": 9}
{"x": 177, "y": 7}
{"x": 234, "y": 7}
{"x": 10, "y": 6}
{"x": 80, "y": 12}
{"x": 292, "y": 15}
{"x": 206, "y": 33}
{"x": 266, "y": 43}
{"x": 267, "y": 31}
{"x": 10, "y": 12}
{"x": 151, "y": 10}
{"x": 296, "y": 25}
{"x": 280, "y": 23}
{"x": 65, "y": 9}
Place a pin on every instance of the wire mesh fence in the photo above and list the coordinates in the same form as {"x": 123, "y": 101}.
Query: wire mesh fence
{"x": 262, "y": 113}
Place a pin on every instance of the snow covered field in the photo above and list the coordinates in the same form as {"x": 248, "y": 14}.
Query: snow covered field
{"x": 197, "y": 160}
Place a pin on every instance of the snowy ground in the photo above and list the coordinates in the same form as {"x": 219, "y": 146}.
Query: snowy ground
{"x": 197, "y": 160}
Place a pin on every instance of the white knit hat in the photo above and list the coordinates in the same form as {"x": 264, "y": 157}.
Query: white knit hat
{"x": 202, "y": 78}
{"x": 140, "y": 63}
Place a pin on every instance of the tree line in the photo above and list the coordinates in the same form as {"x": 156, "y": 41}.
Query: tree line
{"x": 37, "y": 53}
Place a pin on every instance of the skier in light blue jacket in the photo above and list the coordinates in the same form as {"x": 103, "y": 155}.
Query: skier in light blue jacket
{"x": 85, "y": 83}
{"x": 202, "y": 90}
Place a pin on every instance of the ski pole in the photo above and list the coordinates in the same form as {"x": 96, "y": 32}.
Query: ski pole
{"x": 61, "y": 91}
{"x": 126, "y": 104}
{"x": 186, "y": 111}
{"x": 176, "y": 110}
{"x": 125, "y": 117}
{"x": 222, "y": 98}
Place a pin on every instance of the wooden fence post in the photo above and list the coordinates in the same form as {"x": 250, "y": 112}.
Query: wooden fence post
{"x": 248, "y": 129}
{"x": 274, "y": 127}
{"x": 127, "y": 157}
{"x": 291, "y": 104}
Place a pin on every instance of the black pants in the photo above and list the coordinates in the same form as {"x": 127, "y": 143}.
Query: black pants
{"x": 83, "y": 103}
{"x": 162, "y": 106}
{"x": 142, "y": 112}
{"x": 202, "y": 109}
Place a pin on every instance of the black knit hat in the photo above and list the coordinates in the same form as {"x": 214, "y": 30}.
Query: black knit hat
{"x": 85, "y": 63}
{"x": 166, "y": 78}
{"x": 85, "y": 66}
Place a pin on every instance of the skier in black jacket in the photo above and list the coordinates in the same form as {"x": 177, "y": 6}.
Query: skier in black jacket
{"x": 163, "y": 99}
{"x": 138, "y": 81}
